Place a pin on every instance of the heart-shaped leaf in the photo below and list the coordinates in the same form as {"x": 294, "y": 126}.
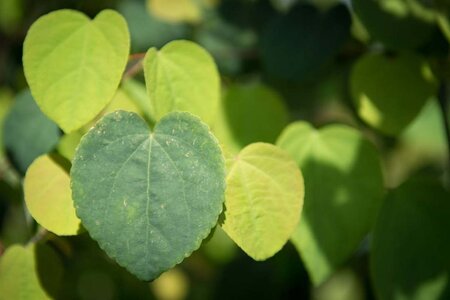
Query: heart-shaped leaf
{"x": 310, "y": 39}
{"x": 389, "y": 92}
{"x": 48, "y": 196}
{"x": 182, "y": 76}
{"x": 148, "y": 198}
{"x": 264, "y": 199}
{"x": 343, "y": 185}
{"x": 74, "y": 65}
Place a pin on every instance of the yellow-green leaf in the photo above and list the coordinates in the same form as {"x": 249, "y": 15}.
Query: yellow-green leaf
{"x": 48, "y": 196}
{"x": 68, "y": 144}
{"x": 73, "y": 65}
{"x": 182, "y": 76}
{"x": 29, "y": 273}
{"x": 263, "y": 200}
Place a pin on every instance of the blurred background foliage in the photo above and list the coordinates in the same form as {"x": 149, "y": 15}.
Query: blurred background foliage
{"x": 381, "y": 66}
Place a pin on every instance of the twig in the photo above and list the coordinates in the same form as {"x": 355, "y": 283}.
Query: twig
{"x": 40, "y": 234}
{"x": 133, "y": 70}
{"x": 443, "y": 103}
{"x": 135, "y": 56}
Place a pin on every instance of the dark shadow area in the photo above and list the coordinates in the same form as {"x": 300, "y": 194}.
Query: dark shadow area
{"x": 280, "y": 277}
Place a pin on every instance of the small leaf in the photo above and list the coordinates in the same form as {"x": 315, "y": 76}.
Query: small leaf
{"x": 412, "y": 230}
{"x": 344, "y": 186}
{"x": 389, "y": 92}
{"x": 73, "y": 65}
{"x": 182, "y": 76}
{"x": 48, "y": 196}
{"x": 148, "y": 198}
{"x": 27, "y": 133}
{"x": 264, "y": 199}
{"x": 29, "y": 273}
{"x": 248, "y": 114}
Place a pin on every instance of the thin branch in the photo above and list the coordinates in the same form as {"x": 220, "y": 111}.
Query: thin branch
{"x": 443, "y": 103}
{"x": 135, "y": 56}
{"x": 40, "y": 235}
{"x": 133, "y": 70}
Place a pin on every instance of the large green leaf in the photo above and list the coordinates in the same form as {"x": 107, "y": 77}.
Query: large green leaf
{"x": 264, "y": 199}
{"x": 74, "y": 65}
{"x": 48, "y": 196}
{"x": 410, "y": 253}
{"x": 27, "y": 133}
{"x": 309, "y": 39}
{"x": 343, "y": 185}
{"x": 248, "y": 114}
{"x": 182, "y": 76}
{"x": 398, "y": 24}
{"x": 29, "y": 273}
{"x": 148, "y": 198}
{"x": 389, "y": 92}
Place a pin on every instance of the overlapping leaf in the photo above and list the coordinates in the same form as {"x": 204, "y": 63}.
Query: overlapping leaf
{"x": 48, "y": 196}
{"x": 389, "y": 92}
{"x": 28, "y": 133}
{"x": 29, "y": 273}
{"x": 182, "y": 76}
{"x": 343, "y": 185}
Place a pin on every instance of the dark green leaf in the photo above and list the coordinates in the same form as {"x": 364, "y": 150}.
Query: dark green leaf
{"x": 148, "y": 198}
{"x": 27, "y": 132}
{"x": 296, "y": 45}
{"x": 410, "y": 253}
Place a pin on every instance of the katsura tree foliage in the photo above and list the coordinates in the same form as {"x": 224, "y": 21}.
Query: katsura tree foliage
{"x": 225, "y": 149}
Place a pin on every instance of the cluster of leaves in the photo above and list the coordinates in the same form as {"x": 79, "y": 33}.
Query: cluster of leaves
{"x": 309, "y": 129}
